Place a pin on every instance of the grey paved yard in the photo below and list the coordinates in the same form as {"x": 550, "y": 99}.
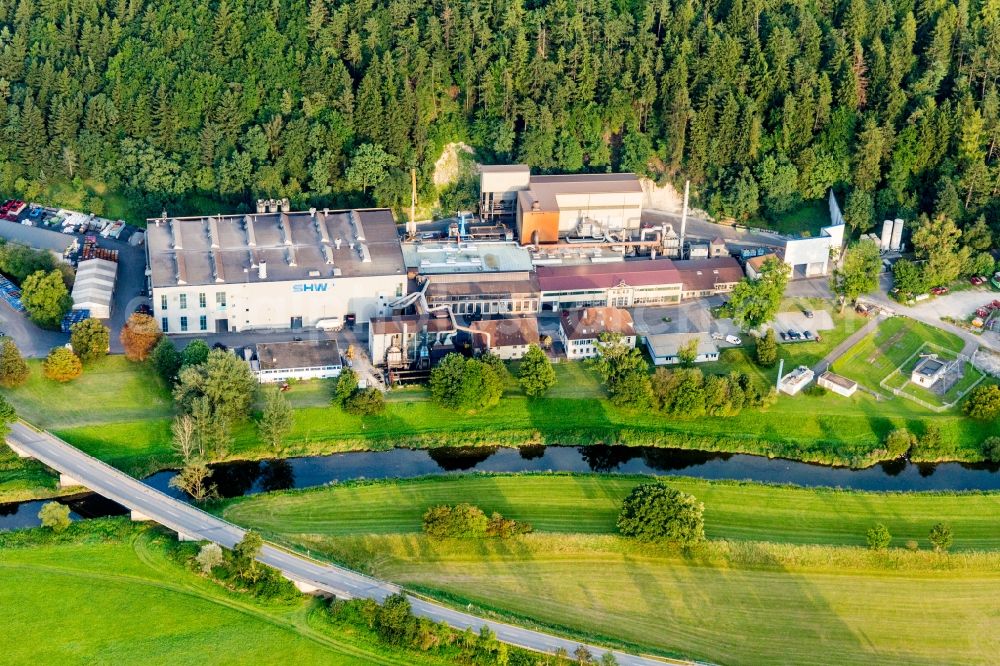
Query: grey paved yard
{"x": 797, "y": 321}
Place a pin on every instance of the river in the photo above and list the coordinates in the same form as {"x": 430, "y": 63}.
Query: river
{"x": 247, "y": 478}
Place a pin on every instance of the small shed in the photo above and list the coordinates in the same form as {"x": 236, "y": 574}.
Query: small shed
{"x": 94, "y": 287}
{"x": 796, "y": 380}
{"x": 838, "y": 384}
{"x": 928, "y": 371}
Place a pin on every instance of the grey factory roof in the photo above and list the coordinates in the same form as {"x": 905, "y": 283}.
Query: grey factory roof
{"x": 38, "y": 238}
{"x": 300, "y": 354}
{"x": 435, "y": 258}
{"x": 291, "y": 246}
{"x": 545, "y": 189}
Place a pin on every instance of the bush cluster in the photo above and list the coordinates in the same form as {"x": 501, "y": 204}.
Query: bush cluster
{"x": 355, "y": 400}
{"x": 470, "y": 522}
{"x": 393, "y": 622}
{"x": 688, "y": 392}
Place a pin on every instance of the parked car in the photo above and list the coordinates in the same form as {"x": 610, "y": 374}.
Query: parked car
{"x": 808, "y": 335}
{"x": 144, "y": 308}
{"x": 794, "y": 335}
{"x": 718, "y": 336}
{"x": 808, "y": 313}
{"x": 977, "y": 280}
{"x": 784, "y": 336}
{"x": 733, "y": 340}
{"x": 939, "y": 291}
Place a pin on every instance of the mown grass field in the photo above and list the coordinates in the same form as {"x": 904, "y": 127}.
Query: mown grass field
{"x": 762, "y": 591}
{"x": 90, "y": 599}
{"x": 589, "y": 504}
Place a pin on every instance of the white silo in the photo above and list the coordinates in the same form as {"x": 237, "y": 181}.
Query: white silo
{"x": 897, "y": 235}
{"x": 886, "y": 235}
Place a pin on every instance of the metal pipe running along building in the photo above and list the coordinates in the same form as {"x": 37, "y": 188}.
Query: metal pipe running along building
{"x": 272, "y": 270}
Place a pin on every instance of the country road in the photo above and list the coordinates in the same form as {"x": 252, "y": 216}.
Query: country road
{"x": 194, "y": 523}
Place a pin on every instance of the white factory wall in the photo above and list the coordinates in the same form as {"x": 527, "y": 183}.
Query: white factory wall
{"x": 284, "y": 374}
{"x": 504, "y": 182}
{"x": 613, "y": 211}
{"x": 263, "y": 305}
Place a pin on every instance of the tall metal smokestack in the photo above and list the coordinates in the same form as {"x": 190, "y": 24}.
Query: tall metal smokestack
{"x": 684, "y": 218}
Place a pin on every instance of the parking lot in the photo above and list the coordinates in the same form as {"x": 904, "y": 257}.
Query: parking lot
{"x": 797, "y": 322}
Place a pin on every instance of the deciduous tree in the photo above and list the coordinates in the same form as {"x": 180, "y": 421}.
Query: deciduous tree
{"x": 656, "y": 512}
{"x": 166, "y": 360}
{"x": 62, "y": 365}
{"x": 878, "y": 537}
{"x": 13, "y": 370}
{"x": 276, "y": 419}
{"x": 90, "y": 339}
{"x": 46, "y": 298}
{"x": 766, "y": 349}
{"x": 755, "y": 301}
{"x": 139, "y": 335}
{"x": 983, "y": 402}
{"x": 858, "y": 272}
{"x": 937, "y": 240}
{"x": 193, "y": 479}
{"x": 55, "y": 516}
{"x": 536, "y": 374}
{"x": 941, "y": 537}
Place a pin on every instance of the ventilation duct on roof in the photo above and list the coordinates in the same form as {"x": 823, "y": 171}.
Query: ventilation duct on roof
{"x": 248, "y": 221}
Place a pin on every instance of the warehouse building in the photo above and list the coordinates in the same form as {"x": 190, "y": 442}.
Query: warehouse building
{"x": 273, "y": 270}
{"x": 94, "y": 287}
{"x": 545, "y": 209}
{"x": 619, "y": 285}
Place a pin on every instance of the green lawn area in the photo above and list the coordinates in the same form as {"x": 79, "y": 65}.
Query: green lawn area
{"x": 761, "y": 592}
{"x": 87, "y": 598}
{"x": 895, "y": 340}
{"x": 111, "y": 389}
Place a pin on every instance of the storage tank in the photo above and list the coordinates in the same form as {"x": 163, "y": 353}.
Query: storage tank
{"x": 897, "y": 235}
{"x": 886, "y": 235}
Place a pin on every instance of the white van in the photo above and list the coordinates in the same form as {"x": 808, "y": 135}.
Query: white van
{"x": 330, "y": 324}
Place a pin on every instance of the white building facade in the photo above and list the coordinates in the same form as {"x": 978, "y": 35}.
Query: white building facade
{"x": 267, "y": 271}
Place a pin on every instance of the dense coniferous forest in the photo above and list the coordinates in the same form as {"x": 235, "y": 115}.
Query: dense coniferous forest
{"x": 762, "y": 104}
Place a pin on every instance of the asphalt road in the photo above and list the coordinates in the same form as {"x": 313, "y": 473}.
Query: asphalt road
{"x": 190, "y": 521}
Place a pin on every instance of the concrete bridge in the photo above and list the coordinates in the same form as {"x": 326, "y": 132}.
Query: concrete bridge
{"x": 310, "y": 576}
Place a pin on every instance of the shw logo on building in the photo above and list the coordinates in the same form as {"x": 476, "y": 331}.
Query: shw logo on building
{"x": 303, "y": 288}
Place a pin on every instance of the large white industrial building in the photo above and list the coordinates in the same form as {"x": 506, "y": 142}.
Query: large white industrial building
{"x": 273, "y": 270}
{"x": 812, "y": 257}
